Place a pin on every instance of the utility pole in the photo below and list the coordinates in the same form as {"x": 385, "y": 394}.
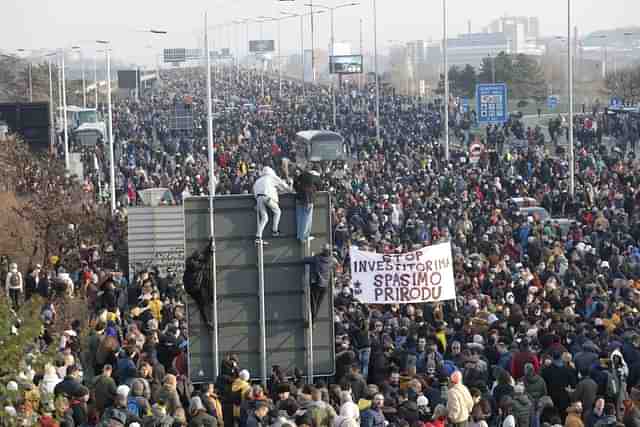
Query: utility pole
{"x": 313, "y": 60}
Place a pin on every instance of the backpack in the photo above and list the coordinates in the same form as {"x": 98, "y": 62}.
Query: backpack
{"x": 133, "y": 406}
{"x": 14, "y": 280}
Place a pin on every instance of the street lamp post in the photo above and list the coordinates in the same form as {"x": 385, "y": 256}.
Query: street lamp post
{"x": 572, "y": 183}
{"x": 212, "y": 192}
{"x": 64, "y": 115}
{"x": 84, "y": 84}
{"x": 29, "y": 77}
{"x": 332, "y": 49}
{"x": 51, "y": 127}
{"x": 446, "y": 80}
{"x": 112, "y": 173}
{"x": 375, "y": 68}
{"x": 95, "y": 77}
{"x": 294, "y": 15}
{"x": 270, "y": 18}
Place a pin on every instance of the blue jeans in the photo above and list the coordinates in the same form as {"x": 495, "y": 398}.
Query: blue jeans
{"x": 304, "y": 216}
{"x": 363, "y": 356}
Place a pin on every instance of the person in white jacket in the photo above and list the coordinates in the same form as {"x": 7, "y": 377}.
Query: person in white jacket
{"x": 266, "y": 190}
{"x": 14, "y": 285}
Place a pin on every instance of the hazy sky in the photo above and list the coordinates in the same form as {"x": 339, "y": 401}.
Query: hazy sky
{"x": 48, "y": 23}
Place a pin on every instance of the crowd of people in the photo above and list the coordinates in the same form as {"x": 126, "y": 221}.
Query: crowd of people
{"x": 543, "y": 332}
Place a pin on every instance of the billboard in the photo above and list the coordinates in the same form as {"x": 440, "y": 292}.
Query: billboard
{"x": 492, "y": 104}
{"x": 156, "y": 239}
{"x": 175, "y": 55}
{"x": 345, "y": 64}
{"x": 237, "y": 285}
{"x": 29, "y": 120}
{"x": 261, "y": 46}
{"x": 128, "y": 79}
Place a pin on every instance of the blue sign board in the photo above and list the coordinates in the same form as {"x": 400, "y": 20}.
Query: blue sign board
{"x": 552, "y": 102}
{"x": 615, "y": 102}
{"x": 491, "y": 100}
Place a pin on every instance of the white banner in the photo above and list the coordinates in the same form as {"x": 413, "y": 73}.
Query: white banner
{"x": 425, "y": 275}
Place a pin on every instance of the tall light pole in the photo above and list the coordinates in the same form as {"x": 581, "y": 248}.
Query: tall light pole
{"x": 361, "y": 54}
{"x": 270, "y": 18}
{"x": 64, "y": 114}
{"x": 301, "y": 44}
{"x": 112, "y": 168}
{"x": 29, "y": 77}
{"x": 332, "y": 48}
{"x": 446, "y": 80}
{"x": 572, "y": 183}
{"x": 212, "y": 193}
{"x": 84, "y": 84}
{"x": 52, "y": 138}
{"x": 313, "y": 59}
{"x": 375, "y": 68}
{"x": 95, "y": 76}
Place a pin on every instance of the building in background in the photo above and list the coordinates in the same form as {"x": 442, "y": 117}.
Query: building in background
{"x": 521, "y": 32}
{"x": 473, "y": 48}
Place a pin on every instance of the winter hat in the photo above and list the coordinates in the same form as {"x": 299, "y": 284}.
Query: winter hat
{"x": 123, "y": 390}
{"x": 422, "y": 401}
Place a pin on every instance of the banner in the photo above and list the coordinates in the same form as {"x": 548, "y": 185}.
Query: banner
{"x": 425, "y": 275}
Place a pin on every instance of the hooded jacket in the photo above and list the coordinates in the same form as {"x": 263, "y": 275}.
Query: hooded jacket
{"x": 534, "y": 384}
{"x": 522, "y": 409}
{"x": 269, "y": 184}
{"x": 459, "y": 403}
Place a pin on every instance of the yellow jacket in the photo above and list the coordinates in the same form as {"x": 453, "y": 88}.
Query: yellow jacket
{"x": 242, "y": 388}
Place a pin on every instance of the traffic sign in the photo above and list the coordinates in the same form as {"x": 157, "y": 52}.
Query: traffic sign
{"x": 552, "y": 102}
{"x": 491, "y": 100}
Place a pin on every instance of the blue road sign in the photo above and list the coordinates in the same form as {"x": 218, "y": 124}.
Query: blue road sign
{"x": 615, "y": 102}
{"x": 552, "y": 102}
{"x": 491, "y": 100}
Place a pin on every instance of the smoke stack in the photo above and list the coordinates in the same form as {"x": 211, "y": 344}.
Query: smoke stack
{"x": 469, "y": 26}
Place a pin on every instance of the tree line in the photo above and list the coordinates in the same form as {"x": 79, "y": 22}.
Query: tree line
{"x": 522, "y": 74}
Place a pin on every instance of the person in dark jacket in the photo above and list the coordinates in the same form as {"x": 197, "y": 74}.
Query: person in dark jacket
{"x": 257, "y": 417}
{"x": 70, "y": 386}
{"x": 585, "y": 392}
{"x": 407, "y": 409}
{"x": 305, "y": 184}
{"x": 199, "y": 416}
{"x": 104, "y": 389}
{"x": 558, "y": 377}
{"x": 322, "y": 265}
{"x": 373, "y": 417}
